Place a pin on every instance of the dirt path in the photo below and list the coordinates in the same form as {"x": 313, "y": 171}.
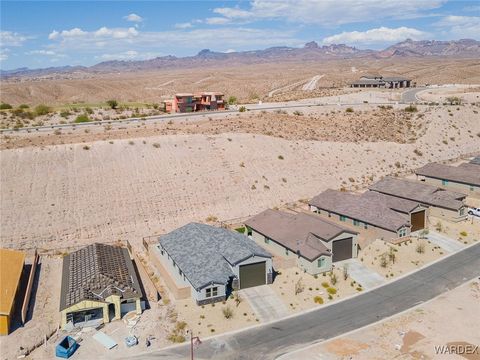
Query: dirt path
{"x": 312, "y": 84}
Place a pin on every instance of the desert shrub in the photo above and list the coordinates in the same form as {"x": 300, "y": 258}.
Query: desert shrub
{"x": 454, "y": 100}
{"x": 82, "y": 119}
{"x": 227, "y": 312}
{"x": 463, "y": 233}
{"x": 112, "y": 103}
{"x": 156, "y": 145}
{"x": 411, "y": 109}
{"x": 297, "y": 113}
{"x": 359, "y": 288}
{"x": 333, "y": 278}
{"x": 23, "y": 106}
{"x": 280, "y": 157}
{"x": 5, "y": 106}
{"x": 86, "y": 147}
{"x": 178, "y": 333}
{"x": 242, "y": 109}
{"x": 325, "y": 284}
{"x": 331, "y": 290}
{"x": 232, "y": 100}
{"x": 420, "y": 248}
{"x": 418, "y": 152}
{"x": 439, "y": 226}
{"x": 391, "y": 254}
{"x": 211, "y": 218}
{"x": 88, "y": 110}
{"x": 330, "y": 297}
{"x": 345, "y": 272}
{"x": 43, "y": 109}
{"x": 65, "y": 114}
{"x": 349, "y": 110}
{"x": 318, "y": 300}
{"x": 383, "y": 260}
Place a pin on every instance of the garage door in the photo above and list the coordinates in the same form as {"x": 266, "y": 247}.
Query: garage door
{"x": 342, "y": 249}
{"x": 252, "y": 275}
{"x": 418, "y": 220}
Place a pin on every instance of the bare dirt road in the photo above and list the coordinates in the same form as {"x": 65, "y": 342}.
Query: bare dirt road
{"x": 312, "y": 84}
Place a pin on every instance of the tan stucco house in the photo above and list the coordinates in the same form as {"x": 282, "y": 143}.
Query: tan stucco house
{"x": 314, "y": 243}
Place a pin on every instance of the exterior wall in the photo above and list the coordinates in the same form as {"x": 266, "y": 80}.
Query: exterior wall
{"x": 470, "y": 190}
{"x": 446, "y": 214}
{"x": 371, "y": 232}
{"x": 4, "y": 324}
{"x": 85, "y": 305}
{"x": 308, "y": 266}
{"x": 180, "y": 289}
{"x": 201, "y": 296}
{"x": 252, "y": 260}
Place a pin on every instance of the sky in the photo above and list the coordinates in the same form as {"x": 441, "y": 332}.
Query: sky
{"x": 39, "y": 34}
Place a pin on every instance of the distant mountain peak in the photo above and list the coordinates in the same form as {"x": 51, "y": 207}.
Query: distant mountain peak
{"x": 311, "y": 45}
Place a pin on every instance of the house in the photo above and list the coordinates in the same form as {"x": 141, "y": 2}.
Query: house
{"x": 99, "y": 283}
{"x": 475, "y": 160}
{"x": 440, "y": 202}
{"x": 376, "y": 215}
{"x": 464, "y": 178}
{"x": 315, "y": 243}
{"x": 11, "y": 268}
{"x": 213, "y": 261}
{"x": 189, "y": 102}
{"x": 378, "y": 81}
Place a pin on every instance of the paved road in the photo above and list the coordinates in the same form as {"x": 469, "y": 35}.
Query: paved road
{"x": 272, "y": 340}
{"x": 410, "y": 96}
{"x": 312, "y": 84}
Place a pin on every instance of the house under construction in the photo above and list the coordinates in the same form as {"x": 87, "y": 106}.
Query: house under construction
{"x": 189, "y": 102}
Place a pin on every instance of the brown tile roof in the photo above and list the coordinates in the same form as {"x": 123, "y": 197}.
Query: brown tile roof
{"x": 298, "y": 232}
{"x": 465, "y": 173}
{"x": 366, "y": 208}
{"x": 395, "y": 203}
{"x": 420, "y": 192}
{"x": 97, "y": 271}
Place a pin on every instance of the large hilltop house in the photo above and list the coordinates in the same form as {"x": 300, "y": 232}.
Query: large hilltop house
{"x": 378, "y": 81}
{"x": 189, "y": 102}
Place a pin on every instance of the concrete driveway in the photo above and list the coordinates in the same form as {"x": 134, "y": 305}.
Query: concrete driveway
{"x": 447, "y": 244}
{"x": 265, "y": 303}
{"x": 362, "y": 274}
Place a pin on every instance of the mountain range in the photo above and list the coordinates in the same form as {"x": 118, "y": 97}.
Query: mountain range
{"x": 311, "y": 51}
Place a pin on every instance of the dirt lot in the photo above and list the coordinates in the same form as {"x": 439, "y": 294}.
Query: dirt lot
{"x": 129, "y": 188}
{"x": 411, "y": 335}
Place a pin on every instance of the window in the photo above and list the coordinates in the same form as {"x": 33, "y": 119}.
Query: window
{"x": 162, "y": 252}
{"x": 356, "y": 222}
{"x": 444, "y": 182}
{"x": 212, "y": 292}
{"x": 343, "y": 218}
{"x": 321, "y": 262}
{"x": 402, "y": 233}
{"x": 267, "y": 240}
{"x": 462, "y": 211}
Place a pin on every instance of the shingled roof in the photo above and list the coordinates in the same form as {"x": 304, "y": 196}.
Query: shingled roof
{"x": 420, "y": 192}
{"x": 206, "y": 253}
{"x": 97, "y": 271}
{"x": 368, "y": 208}
{"x": 465, "y": 173}
{"x": 299, "y": 232}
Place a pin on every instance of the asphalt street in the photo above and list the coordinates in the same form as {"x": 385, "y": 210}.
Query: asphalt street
{"x": 274, "y": 339}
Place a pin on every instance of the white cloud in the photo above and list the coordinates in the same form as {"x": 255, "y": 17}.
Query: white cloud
{"x": 456, "y": 27}
{"x": 217, "y": 21}
{"x": 45, "y": 53}
{"x": 10, "y": 38}
{"x": 229, "y": 51}
{"x": 128, "y": 55}
{"x": 185, "y": 25}
{"x": 4, "y": 54}
{"x": 133, "y": 18}
{"x": 328, "y": 12}
{"x": 381, "y": 35}
{"x": 119, "y": 40}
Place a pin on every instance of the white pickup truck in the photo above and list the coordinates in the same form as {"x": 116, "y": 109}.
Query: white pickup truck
{"x": 474, "y": 212}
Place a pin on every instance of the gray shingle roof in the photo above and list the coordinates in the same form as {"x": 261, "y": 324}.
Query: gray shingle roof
{"x": 395, "y": 203}
{"x": 475, "y": 160}
{"x": 369, "y": 209}
{"x": 204, "y": 253}
{"x": 97, "y": 271}
{"x": 297, "y": 232}
{"x": 420, "y": 192}
{"x": 465, "y": 173}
